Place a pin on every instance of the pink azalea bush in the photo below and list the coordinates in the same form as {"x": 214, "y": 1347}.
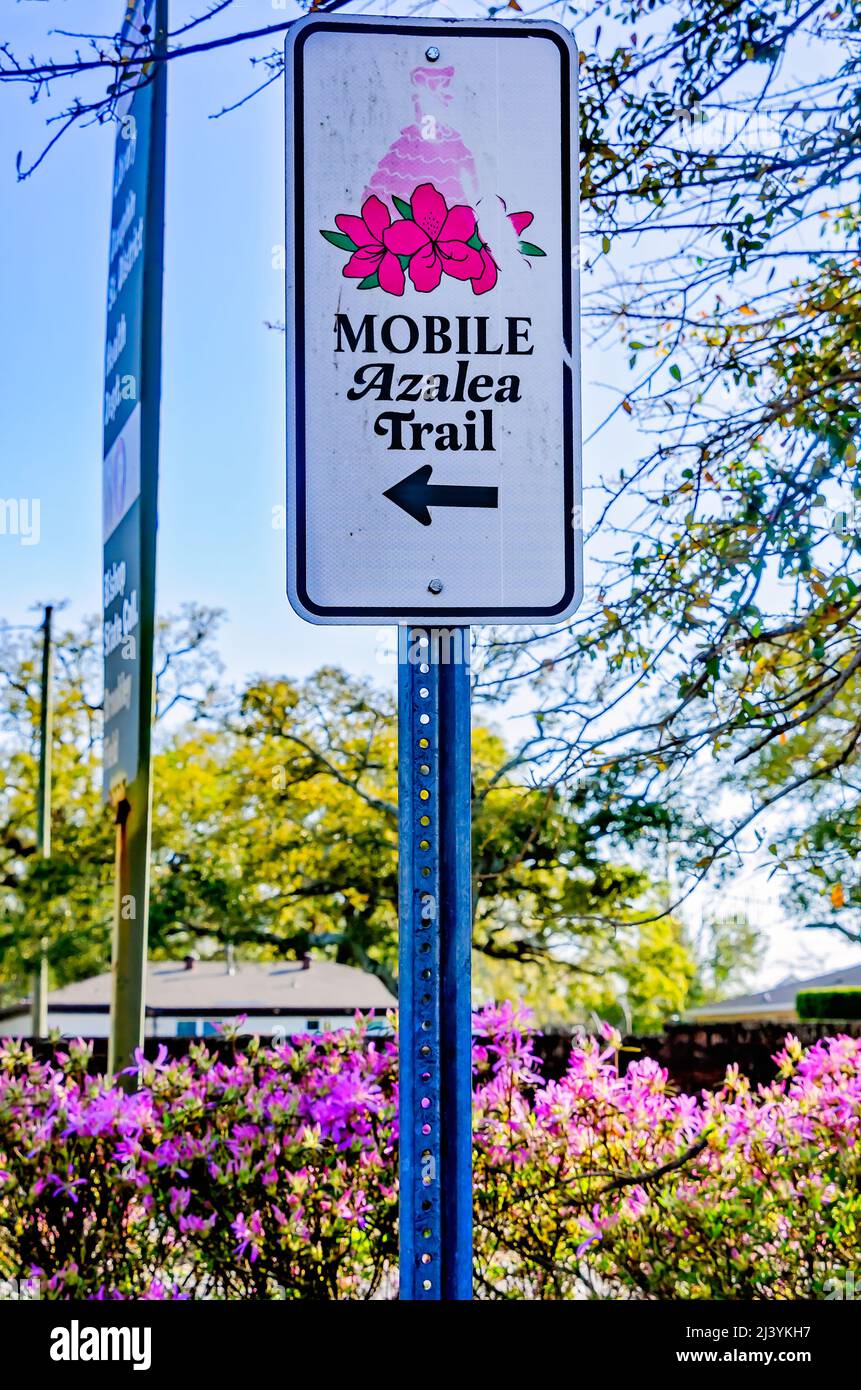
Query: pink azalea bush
{"x": 273, "y": 1173}
{"x": 609, "y": 1185}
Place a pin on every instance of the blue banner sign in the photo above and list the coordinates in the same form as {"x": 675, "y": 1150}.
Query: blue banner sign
{"x": 131, "y": 401}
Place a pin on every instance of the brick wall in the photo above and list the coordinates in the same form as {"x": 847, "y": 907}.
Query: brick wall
{"x": 697, "y": 1055}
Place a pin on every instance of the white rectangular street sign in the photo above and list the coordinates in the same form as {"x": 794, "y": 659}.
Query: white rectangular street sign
{"x": 432, "y": 322}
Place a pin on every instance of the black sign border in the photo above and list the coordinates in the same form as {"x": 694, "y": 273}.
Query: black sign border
{"x": 428, "y": 616}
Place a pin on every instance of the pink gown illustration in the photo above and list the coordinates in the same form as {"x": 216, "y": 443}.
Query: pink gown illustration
{"x": 429, "y": 151}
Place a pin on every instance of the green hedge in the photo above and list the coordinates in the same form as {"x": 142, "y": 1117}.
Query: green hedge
{"x": 839, "y": 1002}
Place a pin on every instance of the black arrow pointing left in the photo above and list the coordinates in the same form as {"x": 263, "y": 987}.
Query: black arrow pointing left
{"x": 416, "y": 493}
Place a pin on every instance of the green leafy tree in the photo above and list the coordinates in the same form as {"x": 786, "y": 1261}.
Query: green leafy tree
{"x": 728, "y": 950}
{"x": 815, "y": 846}
{"x": 720, "y": 154}
{"x": 67, "y": 900}
{"x": 275, "y": 829}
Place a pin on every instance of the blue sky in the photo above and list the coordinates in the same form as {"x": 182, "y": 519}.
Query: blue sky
{"x": 223, "y": 425}
{"x": 222, "y": 459}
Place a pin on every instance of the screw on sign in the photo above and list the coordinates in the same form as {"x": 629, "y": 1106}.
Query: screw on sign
{"x": 433, "y": 460}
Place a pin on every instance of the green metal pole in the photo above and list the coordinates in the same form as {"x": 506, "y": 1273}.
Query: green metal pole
{"x": 43, "y": 813}
{"x": 133, "y": 804}
{"x": 129, "y": 952}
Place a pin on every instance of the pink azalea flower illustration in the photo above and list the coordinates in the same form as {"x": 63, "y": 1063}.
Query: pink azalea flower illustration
{"x": 489, "y": 272}
{"x": 371, "y": 255}
{"x": 435, "y": 240}
{"x": 520, "y": 221}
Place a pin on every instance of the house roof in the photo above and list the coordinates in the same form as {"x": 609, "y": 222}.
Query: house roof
{"x": 284, "y": 987}
{"x": 780, "y": 997}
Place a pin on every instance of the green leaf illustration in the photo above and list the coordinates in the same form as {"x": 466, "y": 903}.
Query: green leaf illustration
{"x": 403, "y": 208}
{"x": 475, "y": 241}
{"x": 675, "y": 372}
{"x": 370, "y": 282}
{"x": 404, "y": 260}
{"x": 339, "y": 239}
{"x": 530, "y": 249}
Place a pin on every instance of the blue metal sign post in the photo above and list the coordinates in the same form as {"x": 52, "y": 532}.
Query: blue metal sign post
{"x": 434, "y": 794}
